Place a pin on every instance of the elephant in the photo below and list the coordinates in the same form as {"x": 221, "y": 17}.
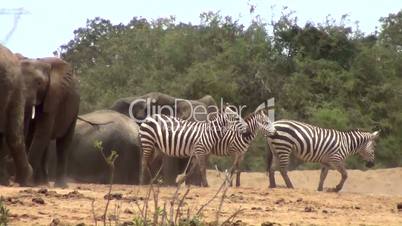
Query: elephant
{"x": 139, "y": 107}
{"x": 51, "y": 109}
{"x": 116, "y": 132}
{"x": 12, "y": 103}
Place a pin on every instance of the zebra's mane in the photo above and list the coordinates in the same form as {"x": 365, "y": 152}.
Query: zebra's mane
{"x": 248, "y": 116}
{"x": 354, "y": 130}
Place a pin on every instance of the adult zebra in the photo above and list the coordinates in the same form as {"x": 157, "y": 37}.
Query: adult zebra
{"x": 310, "y": 143}
{"x": 236, "y": 144}
{"x": 182, "y": 138}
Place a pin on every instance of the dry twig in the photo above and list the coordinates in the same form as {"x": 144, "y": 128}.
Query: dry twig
{"x": 233, "y": 216}
{"x": 216, "y": 194}
{"x": 93, "y": 212}
{"x": 181, "y": 204}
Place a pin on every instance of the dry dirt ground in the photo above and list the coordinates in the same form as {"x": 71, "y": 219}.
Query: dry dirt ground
{"x": 368, "y": 198}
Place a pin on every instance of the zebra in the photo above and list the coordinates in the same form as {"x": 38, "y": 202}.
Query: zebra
{"x": 329, "y": 147}
{"x": 182, "y": 138}
{"x": 236, "y": 144}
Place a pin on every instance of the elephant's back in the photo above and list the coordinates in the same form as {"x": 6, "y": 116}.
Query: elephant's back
{"x": 9, "y": 67}
{"x": 116, "y": 132}
{"x": 208, "y": 100}
{"x": 99, "y": 117}
{"x": 109, "y": 123}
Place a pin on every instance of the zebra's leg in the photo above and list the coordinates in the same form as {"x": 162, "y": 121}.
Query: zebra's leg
{"x": 146, "y": 173}
{"x": 238, "y": 170}
{"x": 270, "y": 169}
{"x": 284, "y": 173}
{"x": 340, "y": 167}
{"x": 283, "y": 168}
{"x": 234, "y": 169}
{"x": 231, "y": 171}
{"x": 323, "y": 175}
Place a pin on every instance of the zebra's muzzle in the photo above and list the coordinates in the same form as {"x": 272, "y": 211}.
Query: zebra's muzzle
{"x": 370, "y": 164}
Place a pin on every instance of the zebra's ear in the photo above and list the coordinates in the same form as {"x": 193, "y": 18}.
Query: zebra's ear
{"x": 229, "y": 111}
{"x": 376, "y": 134}
{"x": 226, "y": 107}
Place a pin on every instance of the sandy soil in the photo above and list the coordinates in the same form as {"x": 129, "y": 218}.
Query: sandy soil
{"x": 368, "y": 198}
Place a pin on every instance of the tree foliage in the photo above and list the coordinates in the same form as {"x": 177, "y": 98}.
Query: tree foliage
{"x": 326, "y": 74}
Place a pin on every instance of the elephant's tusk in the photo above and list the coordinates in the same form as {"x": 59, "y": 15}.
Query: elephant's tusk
{"x": 33, "y": 112}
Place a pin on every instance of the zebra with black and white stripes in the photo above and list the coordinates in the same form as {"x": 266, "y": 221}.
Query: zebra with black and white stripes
{"x": 329, "y": 147}
{"x": 236, "y": 144}
{"x": 182, "y": 138}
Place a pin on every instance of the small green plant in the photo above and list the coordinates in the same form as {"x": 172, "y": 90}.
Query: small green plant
{"x": 196, "y": 221}
{"x": 138, "y": 221}
{"x": 110, "y": 162}
{"x": 4, "y": 213}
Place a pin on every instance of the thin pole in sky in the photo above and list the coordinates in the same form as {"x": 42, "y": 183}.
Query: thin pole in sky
{"x": 17, "y": 15}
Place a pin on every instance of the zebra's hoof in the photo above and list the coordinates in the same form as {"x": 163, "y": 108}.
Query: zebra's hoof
{"x": 333, "y": 190}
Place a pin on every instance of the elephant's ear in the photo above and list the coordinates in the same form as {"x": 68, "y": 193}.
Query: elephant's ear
{"x": 59, "y": 69}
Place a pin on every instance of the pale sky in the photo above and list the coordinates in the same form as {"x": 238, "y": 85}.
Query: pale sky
{"x": 50, "y": 23}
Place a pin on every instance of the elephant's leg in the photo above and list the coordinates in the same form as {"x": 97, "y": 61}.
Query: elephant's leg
{"x": 323, "y": 175}
{"x": 170, "y": 169}
{"x": 135, "y": 167}
{"x": 42, "y": 176}
{"x": 4, "y": 174}
{"x": 196, "y": 177}
{"x": 190, "y": 171}
{"x": 62, "y": 147}
{"x": 40, "y": 141}
{"x": 202, "y": 164}
{"x": 15, "y": 141}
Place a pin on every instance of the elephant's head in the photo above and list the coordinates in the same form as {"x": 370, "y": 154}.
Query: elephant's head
{"x": 185, "y": 109}
{"x": 36, "y": 79}
{"x": 152, "y": 103}
{"x": 44, "y": 80}
{"x": 137, "y": 109}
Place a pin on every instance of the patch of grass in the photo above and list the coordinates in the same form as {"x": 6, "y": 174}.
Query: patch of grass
{"x": 4, "y": 213}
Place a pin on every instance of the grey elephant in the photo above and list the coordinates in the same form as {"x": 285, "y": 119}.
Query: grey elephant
{"x": 51, "y": 108}
{"x": 116, "y": 132}
{"x": 139, "y": 107}
{"x": 12, "y": 103}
